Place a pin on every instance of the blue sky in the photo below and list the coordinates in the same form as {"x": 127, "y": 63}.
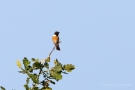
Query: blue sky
{"x": 98, "y": 37}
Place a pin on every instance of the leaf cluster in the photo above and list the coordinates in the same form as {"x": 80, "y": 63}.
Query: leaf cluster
{"x": 49, "y": 75}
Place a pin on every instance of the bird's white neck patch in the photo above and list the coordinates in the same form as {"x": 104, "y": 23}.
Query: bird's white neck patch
{"x": 54, "y": 35}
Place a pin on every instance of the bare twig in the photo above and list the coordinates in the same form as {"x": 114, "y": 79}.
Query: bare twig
{"x": 51, "y": 51}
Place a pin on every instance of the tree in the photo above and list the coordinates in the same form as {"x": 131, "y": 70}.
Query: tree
{"x": 48, "y": 74}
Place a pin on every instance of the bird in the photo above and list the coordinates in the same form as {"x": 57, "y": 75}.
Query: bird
{"x": 55, "y": 39}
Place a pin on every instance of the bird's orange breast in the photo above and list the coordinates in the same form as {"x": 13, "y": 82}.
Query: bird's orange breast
{"x": 55, "y": 39}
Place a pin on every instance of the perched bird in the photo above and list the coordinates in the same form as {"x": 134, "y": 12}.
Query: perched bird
{"x": 55, "y": 39}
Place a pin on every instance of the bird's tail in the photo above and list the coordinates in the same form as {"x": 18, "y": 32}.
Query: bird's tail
{"x": 57, "y": 47}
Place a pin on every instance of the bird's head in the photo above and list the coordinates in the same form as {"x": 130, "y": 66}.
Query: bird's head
{"x": 56, "y": 33}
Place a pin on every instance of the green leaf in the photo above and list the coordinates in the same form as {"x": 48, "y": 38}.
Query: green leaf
{"x": 37, "y": 65}
{"x": 2, "y": 88}
{"x": 57, "y": 63}
{"x": 58, "y": 68}
{"x": 26, "y": 87}
{"x": 26, "y": 62}
{"x": 35, "y": 88}
{"x": 36, "y": 60}
{"x": 69, "y": 67}
{"x": 30, "y": 69}
{"x": 27, "y": 80}
{"x": 48, "y": 59}
{"x": 34, "y": 78}
{"x": 57, "y": 76}
{"x": 46, "y": 88}
{"x": 23, "y": 71}
{"x": 33, "y": 59}
{"x": 46, "y": 65}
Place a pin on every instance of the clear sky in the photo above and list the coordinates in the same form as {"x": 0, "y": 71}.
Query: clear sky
{"x": 98, "y": 37}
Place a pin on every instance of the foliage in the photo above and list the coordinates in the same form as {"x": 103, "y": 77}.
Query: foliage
{"x": 43, "y": 68}
{"x": 2, "y": 88}
{"x": 49, "y": 75}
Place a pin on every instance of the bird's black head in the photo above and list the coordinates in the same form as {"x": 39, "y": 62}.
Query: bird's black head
{"x": 56, "y": 33}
